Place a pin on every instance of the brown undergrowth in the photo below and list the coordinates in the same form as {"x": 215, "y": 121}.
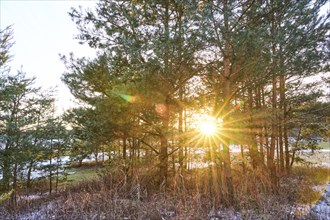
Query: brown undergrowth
{"x": 120, "y": 193}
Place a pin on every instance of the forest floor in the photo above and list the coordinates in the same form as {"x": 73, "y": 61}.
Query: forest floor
{"x": 90, "y": 193}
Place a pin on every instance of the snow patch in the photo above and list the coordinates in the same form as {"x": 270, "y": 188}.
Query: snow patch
{"x": 321, "y": 210}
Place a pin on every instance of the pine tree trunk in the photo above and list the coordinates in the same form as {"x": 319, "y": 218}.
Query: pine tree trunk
{"x": 163, "y": 154}
{"x": 253, "y": 145}
{"x": 124, "y": 148}
{"x": 243, "y": 158}
{"x": 50, "y": 176}
{"x": 28, "y": 183}
{"x": 282, "y": 130}
{"x": 6, "y": 173}
{"x": 58, "y": 163}
{"x": 295, "y": 148}
{"x": 280, "y": 144}
{"x": 261, "y": 146}
{"x": 180, "y": 128}
{"x": 271, "y": 155}
{"x": 227, "y": 94}
{"x": 284, "y": 122}
{"x": 227, "y": 174}
{"x": 260, "y": 128}
{"x": 163, "y": 159}
{"x": 50, "y": 168}
{"x": 15, "y": 187}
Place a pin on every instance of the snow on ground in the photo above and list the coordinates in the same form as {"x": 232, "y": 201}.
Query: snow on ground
{"x": 100, "y": 157}
{"x": 317, "y": 158}
{"x": 321, "y": 210}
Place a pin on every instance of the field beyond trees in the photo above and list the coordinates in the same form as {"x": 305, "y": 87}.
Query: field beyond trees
{"x": 190, "y": 110}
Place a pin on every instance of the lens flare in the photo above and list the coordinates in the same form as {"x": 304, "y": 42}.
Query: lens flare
{"x": 128, "y": 98}
{"x": 161, "y": 109}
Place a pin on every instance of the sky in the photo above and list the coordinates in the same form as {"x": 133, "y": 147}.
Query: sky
{"x": 43, "y": 30}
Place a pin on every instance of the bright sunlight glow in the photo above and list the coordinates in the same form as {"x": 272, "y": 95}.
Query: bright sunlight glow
{"x": 208, "y": 128}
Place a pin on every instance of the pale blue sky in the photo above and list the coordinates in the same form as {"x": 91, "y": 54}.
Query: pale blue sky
{"x": 42, "y": 31}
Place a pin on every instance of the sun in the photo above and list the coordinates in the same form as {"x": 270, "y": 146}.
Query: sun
{"x": 208, "y": 128}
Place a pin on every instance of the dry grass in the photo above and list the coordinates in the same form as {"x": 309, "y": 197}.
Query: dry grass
{"x": 136, "y": 194}
{"x": 307, "y": 195}
{"x": 317, "y": 175}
